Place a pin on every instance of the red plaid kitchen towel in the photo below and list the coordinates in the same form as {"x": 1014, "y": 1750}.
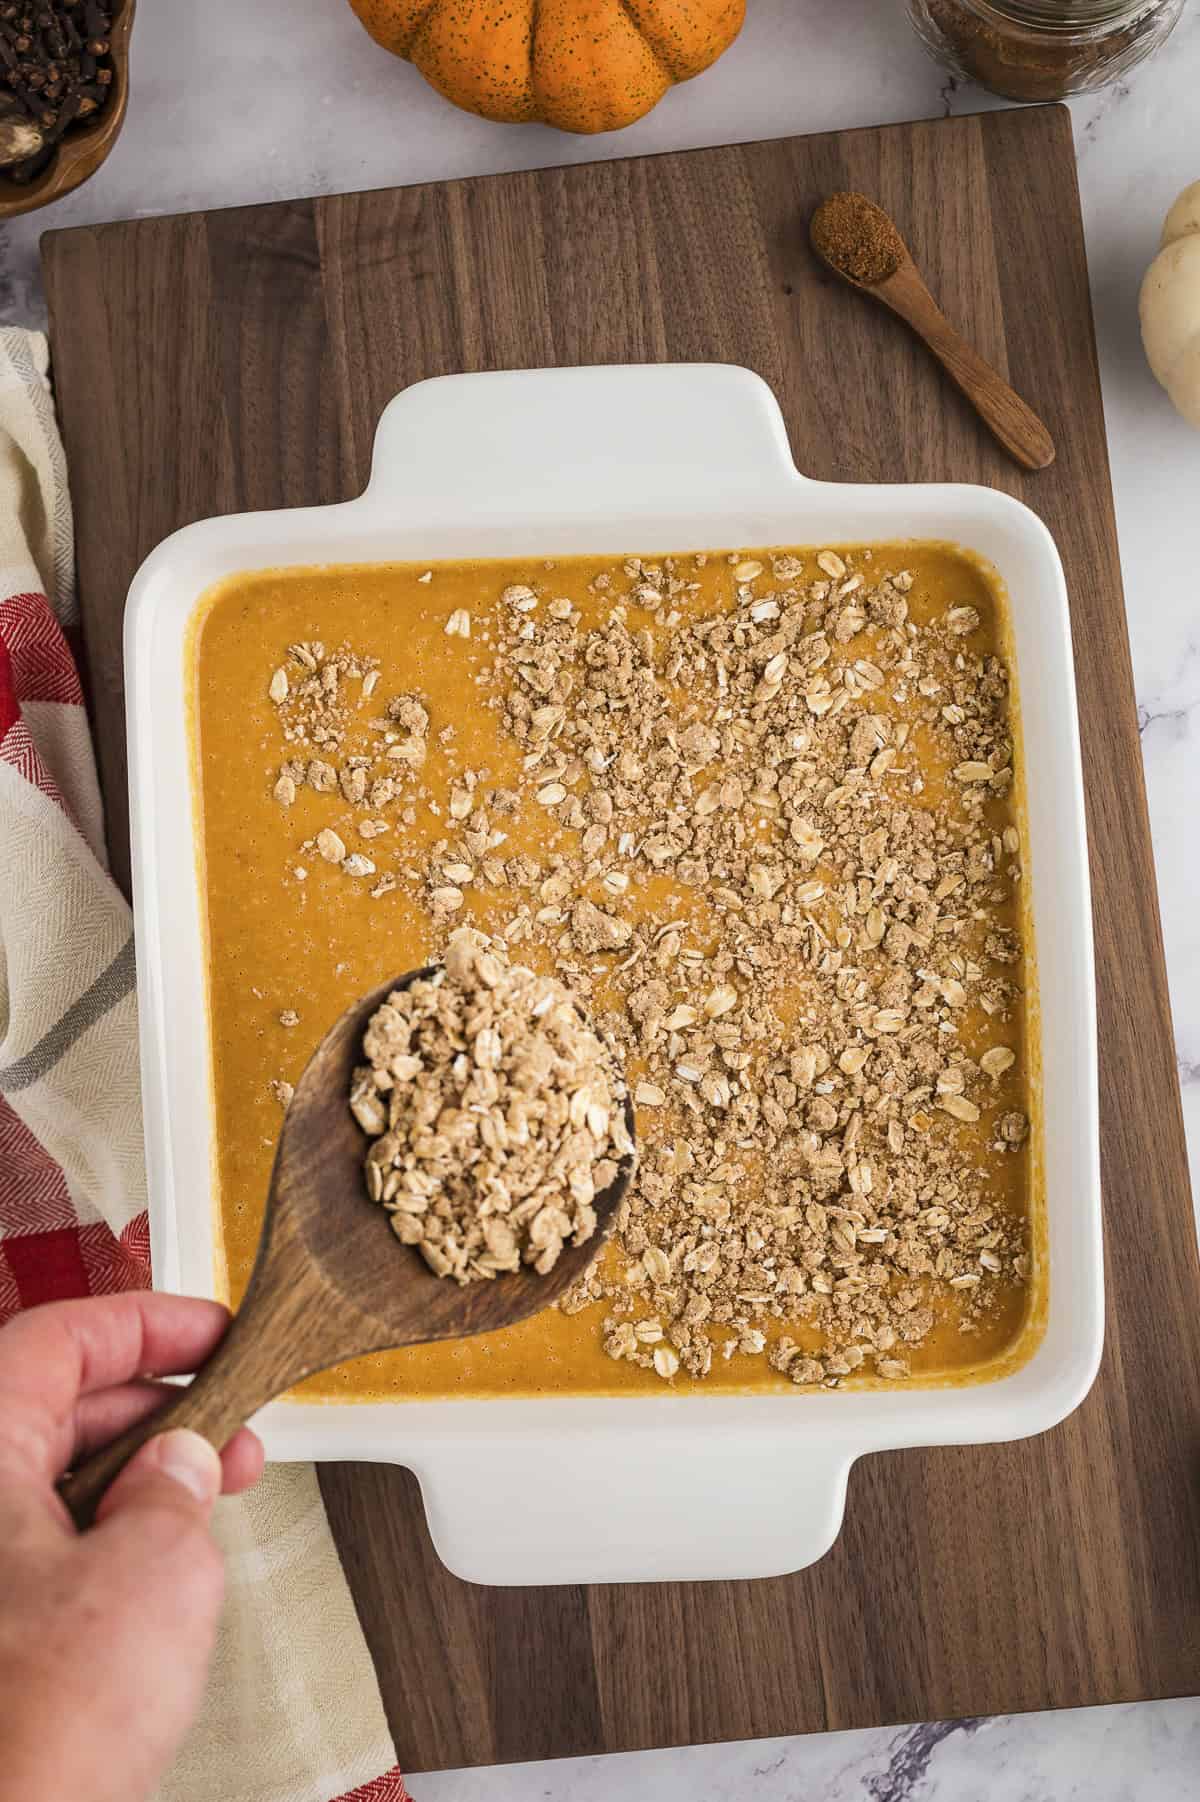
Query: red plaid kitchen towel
{"x": 293, "y": 1712}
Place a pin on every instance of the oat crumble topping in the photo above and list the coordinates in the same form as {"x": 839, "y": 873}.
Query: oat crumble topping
{"x": 740, "y": 869}
{"x": 496, "y": 1115}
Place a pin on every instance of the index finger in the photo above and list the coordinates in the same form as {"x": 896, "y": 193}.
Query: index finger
{"x": 66, "y": 1349}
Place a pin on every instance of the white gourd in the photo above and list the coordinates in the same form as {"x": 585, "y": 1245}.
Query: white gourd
{"x": 1169, "y": 306}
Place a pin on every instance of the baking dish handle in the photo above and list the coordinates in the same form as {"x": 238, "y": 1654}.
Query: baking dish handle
{"x": 555, "y": 441}
{"x": 627, "y": 1508}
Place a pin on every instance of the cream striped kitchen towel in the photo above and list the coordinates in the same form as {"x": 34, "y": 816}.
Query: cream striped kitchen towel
{"x": 293, "y": 1712}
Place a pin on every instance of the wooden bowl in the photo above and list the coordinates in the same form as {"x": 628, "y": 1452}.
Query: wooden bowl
{"x": 82, "y": 148}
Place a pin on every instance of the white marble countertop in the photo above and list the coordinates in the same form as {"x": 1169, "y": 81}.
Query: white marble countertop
{"x": 234, "y": 103}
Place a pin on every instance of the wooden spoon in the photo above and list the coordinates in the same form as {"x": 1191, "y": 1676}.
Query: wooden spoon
{"x": 331, "y": 1281}
{"x": 902, "y": 290}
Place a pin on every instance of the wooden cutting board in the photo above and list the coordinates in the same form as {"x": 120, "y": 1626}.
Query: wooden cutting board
{"x": 240, "y": 360}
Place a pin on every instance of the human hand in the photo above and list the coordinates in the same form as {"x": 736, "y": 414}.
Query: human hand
{"x": 105, "y": 1636}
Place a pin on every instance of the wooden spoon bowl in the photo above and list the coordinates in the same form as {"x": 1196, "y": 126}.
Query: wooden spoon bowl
{"x": 330, "y": 1280}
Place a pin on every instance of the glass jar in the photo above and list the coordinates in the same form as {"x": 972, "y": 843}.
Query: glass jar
{"x": 1042, "y": 49}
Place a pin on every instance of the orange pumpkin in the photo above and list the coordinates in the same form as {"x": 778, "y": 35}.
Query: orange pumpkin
{"x": 582, "y": 65}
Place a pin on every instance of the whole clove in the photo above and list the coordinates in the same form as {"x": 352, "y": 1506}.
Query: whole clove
{"x": 55, "y": 72}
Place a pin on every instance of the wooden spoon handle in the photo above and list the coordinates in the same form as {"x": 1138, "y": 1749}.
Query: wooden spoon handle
{"x": 211, "y": 1407}
{"x": 1015, "y": 425}
{"x": 254, "y": 1362}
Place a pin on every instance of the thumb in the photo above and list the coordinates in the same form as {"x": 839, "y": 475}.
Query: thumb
{"x": 178, "y": 1471}
{"x": 154, "y": 1563}
{"x": 148, "y": 1581}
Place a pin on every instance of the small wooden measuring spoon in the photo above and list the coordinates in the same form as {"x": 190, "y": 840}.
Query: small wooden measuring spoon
{"x": 331, "y": 1280}
{"x": 861, "y": 243}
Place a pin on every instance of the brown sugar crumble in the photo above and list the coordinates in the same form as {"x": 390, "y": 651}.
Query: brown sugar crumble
{"x": 496, "y": 1115}
{"x": 857, "y": 237}
{"x": 771, "y": 848}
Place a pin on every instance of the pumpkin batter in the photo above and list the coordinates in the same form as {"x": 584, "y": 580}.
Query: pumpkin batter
{"x": 305, "y": 912}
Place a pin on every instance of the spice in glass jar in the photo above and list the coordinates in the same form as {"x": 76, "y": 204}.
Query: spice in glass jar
{"x": 1043, "y": 49}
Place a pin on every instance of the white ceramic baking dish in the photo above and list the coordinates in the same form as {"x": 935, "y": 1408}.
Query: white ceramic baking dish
{"x": 546, "y": 463}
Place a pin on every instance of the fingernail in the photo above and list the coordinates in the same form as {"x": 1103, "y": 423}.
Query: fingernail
{"x": 189, "y": 1461}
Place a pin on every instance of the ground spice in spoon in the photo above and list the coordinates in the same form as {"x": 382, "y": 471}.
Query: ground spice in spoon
{"x": 857, "y": 237}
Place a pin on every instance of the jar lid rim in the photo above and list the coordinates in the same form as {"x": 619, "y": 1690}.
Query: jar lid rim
{"x": 1062, "y": 15}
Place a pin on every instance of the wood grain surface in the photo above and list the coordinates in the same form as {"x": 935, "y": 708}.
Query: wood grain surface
{"x": 241, "y": 359}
